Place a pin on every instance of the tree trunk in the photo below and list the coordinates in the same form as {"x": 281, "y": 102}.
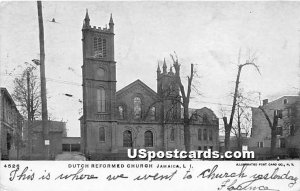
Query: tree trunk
{"x": 228, "y": 126}
{"x": 186, "y": 128}
{"x": 273, "y": 140}
{"x": 274, "y": 134}
{"x": 29, "y": 130}
{"x": 239, "y": 139}
{"x": 237, "y": 81}
{"x": 273, "y": 127}
{"x": 227, "y": 138}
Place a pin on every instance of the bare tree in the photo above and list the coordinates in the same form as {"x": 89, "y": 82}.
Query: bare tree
{"x": 27, "y": 96}
{"x": 185, "y": 95}
{"x": 26, "y": 93}
{"x": 228, "y": 124}
{"x": 242, "y": 119}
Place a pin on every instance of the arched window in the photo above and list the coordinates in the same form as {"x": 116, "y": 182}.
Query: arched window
{"x": 137, "y": 107}
{"x": 172, "y": 134}
{"x": 210, "y": 135}
{"x": 127, "y": 139}
{"x": 100, "y": 73}
{"x": 205, "y": 135}
{"x": 99, "y": 47}
{"x": 101, "y": 134}
{"x": 121, "y": 112}
{"x": 199, "y": 134}
{"x": 152, "y": 113}
{"x": 148, "y": 139}
{"x": 101, "y": 100}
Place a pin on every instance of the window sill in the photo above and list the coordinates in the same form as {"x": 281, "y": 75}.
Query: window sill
{"x": 102, "y": 113}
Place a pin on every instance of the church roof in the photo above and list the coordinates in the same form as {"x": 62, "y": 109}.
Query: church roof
{"x": 136, "y": 83}
{"x": 203, "y": 109}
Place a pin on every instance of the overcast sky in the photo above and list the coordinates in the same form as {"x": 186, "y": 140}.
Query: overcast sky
{"x": 208, "y": 34}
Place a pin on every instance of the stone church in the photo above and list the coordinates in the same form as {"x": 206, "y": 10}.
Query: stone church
{"x": 135, "y": 116}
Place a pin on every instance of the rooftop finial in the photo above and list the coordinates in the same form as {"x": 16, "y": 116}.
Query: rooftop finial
{"x": 86, "y": 22}
{"x": 164, "y": 66}
{"x": 158, "y": 68}
{"x": 111, "y": 21}
{"x": 87, "y": 15}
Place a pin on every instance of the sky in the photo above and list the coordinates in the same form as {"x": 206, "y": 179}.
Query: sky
{"x": 207, "y": 34}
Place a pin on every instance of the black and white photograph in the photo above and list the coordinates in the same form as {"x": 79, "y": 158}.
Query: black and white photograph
{"x": 166, "y": 86}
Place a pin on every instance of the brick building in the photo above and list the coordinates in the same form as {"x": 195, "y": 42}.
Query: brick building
{"x": 135, "y": 116}
{"x": 288, "y": 134}
{"x": 57, "y": 131}
{"x": 10, "y": 127}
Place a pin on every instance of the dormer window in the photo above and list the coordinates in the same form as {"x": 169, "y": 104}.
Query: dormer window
{"x": 99, "y": 47}
{"x": 205, "y": 118}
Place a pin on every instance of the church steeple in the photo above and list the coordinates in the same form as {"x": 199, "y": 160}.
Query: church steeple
{"x": 86, "y": 23}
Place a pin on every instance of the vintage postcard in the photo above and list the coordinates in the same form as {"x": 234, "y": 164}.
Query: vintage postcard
{"x": 164, "y": 95}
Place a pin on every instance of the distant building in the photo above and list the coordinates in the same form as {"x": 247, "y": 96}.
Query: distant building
{"x": 71, "y": 144}
{"x": 135, "y": 116}
{"x": 10, "y": 127}
{"x": 288, "y": 133}
{"x": 234, "y": 143}
{"x": 57, "y": 130}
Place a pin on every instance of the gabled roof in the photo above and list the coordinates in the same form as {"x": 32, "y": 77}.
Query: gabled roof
{"x": 136, "y": 83}
{"x": 292, "y": 99}
{"x": 6, "y": 93}
{"x": 193, "y": 110}
{"x": 283, "y": 97}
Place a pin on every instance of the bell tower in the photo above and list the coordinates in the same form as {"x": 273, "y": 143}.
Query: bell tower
{"x": 168, "y": 91}
{"x": 99, "y": 87}
{"x": 98, "y": 71}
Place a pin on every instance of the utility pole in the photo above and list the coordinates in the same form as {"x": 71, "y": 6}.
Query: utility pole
{"x": 43, "y": 82}
{"x": 1, "y": 115}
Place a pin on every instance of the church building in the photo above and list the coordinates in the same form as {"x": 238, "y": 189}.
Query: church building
{"x": 135, "y": 116}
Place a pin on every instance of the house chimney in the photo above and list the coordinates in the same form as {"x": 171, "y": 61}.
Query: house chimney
{"x": 265, "y": 101}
